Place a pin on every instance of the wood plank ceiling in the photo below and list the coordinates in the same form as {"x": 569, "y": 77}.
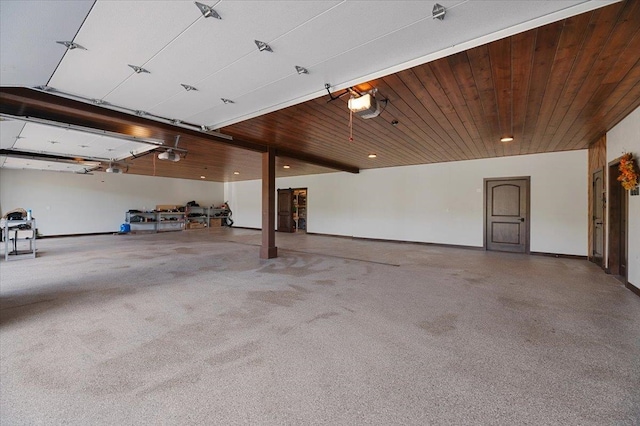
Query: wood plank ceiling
{"x": 555, "y": 88}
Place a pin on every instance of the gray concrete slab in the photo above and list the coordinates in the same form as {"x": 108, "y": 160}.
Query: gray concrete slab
{"x": 193, "y": 328}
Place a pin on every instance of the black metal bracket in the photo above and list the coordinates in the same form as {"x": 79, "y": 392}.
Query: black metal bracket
{"x": 348, "y": 90}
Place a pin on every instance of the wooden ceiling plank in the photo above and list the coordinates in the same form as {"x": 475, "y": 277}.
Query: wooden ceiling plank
{"x": 546, "y": 41}
{"x": 500, "y": 60}
{"x": 601, "y": 24}
{"x": 437, "y": 101}
{"x": 573, "y": 35}
{"x": 609, "y": 96}
{"x": 431, "y": 113}
{"x": 418, "y": 142}
{"x": 603, "y": 49}
{"x": 522, "y": 50}
{"x": 612, "y": 90}
{"x": 461, "y": 66}
{"x": 445, "y": 75}
{"x": 371, "y": 131}
{"x": 482, "y": 75}
{"x": 423, "y": 122}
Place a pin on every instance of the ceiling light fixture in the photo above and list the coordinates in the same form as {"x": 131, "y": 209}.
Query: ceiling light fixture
{"x": 176, "y": 121}
{"x": 286, "y": 166}
{"x": 138, "y": 70}
{"x": 506, "y": 139}
{"x": 262, "y": 46}
{"x": 141, "y": 113}
{"x": 203, "y": 177}
{"x": 188, "y": 88}
{"x": 365, "y": 106}
{"x": 301, "y": 70}
{"x": 236, "y": 173}
{"x": 207, "y": 11}
{"x": 70, "y": 45}
{"x": 45, "y": 88}
{"x": 438, "y": 12}
{"x": 227, "y": 101}
{"x": 98, "y": 101}
{"x": 372, "y": 155}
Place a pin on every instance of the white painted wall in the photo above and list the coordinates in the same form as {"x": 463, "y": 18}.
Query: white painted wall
{"x": 437, "y": 203}
{"x": 67, "y": 203}
{"x": 625, "y": 137}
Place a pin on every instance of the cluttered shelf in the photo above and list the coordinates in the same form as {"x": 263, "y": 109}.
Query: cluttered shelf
{"x": 176, "y": 218}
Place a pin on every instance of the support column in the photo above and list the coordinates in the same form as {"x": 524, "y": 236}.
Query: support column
{"x": 268, "y": 249}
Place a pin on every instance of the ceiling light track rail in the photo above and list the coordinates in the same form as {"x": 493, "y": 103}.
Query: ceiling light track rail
{"x": 140, "y": 113}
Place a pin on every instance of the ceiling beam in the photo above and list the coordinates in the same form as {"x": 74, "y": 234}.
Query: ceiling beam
{"x": 30, "y": 103}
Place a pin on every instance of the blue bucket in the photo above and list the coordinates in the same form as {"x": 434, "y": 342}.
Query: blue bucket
{"x": 125, "y": 228}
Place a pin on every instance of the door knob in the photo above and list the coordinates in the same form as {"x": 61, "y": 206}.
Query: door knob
{"x": 522, "y": 219}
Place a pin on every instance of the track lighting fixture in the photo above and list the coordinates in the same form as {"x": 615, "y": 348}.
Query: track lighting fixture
{"x": 139, "y": 70}
{"x": 262, "y": 46}
{"x": 301, "y": 70}
{"x": 227, "y": 101}
{"x": 207, "y": 11}
{"x": 45, "y": 88}
{"x": 188, "y": 88}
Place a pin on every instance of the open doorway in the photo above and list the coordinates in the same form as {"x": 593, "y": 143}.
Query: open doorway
{"x": 300, "y": 209}
{"x": 617, "y": 221}
{"x": 292, "y": 210}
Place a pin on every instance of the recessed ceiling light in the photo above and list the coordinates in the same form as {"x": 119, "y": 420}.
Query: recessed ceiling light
{"x": 188, "y": 88}
{"x": 394, "y": 122}
{"x": 53, "y": 142}
{"x": 262, "y": 46}
{"x": 227, "y": 101}
{"x": 506, "y": 139}
{"x": 372, "y": 155}
{"x": 83, "y": 146}
{"x": 70, "y": 45}
{"x": 207, "y": 11}
{"x": 236, "y": 173}
{"x": 202, "y": 177}
{"x": 139, "y": 70}
{"x": 301, "y": 70}
{"x": 286, "y": 166}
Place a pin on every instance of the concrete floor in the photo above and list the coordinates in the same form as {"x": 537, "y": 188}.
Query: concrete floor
{"x": 193, "y": 328}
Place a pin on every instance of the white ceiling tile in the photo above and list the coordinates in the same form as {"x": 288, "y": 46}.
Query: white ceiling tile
{"x": 9, "y": 132}
{"x": 28, "y": 34}
{"x": 53, "y": 166}
{"x": 118, "y": 33}
{"x": 45, "y": 139}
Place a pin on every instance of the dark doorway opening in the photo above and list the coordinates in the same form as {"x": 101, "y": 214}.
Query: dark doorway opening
{"x": 597, "y": 217}
{"x": 617, "y": 225}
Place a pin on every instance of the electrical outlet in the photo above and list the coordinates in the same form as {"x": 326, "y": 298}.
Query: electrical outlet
{"x": 635, "y": 191}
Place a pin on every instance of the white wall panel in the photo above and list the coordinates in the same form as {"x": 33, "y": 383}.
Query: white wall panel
{"x": 67, "y": 203}
{"x": 438, "y": 203}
